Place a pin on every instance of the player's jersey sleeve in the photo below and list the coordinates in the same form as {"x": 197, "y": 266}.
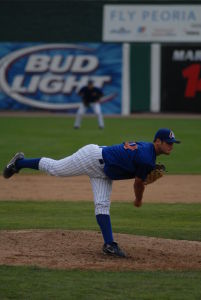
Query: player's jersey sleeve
{"x": 97, "y": 94}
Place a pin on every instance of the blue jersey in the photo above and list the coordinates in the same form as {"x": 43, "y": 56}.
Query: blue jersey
{"x": 129, "y": 160}
{"x": 90, "y": 95}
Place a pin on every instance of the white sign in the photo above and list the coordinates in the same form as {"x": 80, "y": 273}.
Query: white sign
{"x": 148, "y": 23}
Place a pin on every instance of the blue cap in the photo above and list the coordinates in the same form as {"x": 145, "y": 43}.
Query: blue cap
{"x": 166, "y": 135}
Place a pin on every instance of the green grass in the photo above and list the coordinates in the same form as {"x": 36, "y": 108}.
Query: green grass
{"x": 176, "y": 221}
{"x": 34, "y": 283}
{"x": 55, "y": 137}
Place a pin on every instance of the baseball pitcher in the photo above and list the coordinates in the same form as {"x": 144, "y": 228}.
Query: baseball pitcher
{"x": 103, "y": 164}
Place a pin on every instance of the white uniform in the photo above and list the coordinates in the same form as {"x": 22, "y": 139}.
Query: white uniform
{"x": 86, "y": 161}
{"x": 82, "y": 110}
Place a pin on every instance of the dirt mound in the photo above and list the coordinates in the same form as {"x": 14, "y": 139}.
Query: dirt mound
{"x": 65, "y": 249}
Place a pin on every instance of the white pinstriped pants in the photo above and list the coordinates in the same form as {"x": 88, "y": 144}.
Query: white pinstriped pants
{"x": 84, "y": 162}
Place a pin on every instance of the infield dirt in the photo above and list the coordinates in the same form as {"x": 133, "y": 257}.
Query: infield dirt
{"x": 169, "y": 189}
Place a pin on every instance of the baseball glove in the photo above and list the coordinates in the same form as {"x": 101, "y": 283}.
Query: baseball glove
{"x": 155, "y": 174}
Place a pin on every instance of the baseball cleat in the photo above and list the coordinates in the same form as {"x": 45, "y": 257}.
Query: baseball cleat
{"x": 11, "y": 169}
{"x": 113, "y": 250}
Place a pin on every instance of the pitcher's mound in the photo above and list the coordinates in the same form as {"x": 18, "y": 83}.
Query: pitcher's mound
{"x": 64, "y": 249}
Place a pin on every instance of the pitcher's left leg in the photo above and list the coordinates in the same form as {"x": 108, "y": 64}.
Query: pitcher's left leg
{"x": 102, "y": 188}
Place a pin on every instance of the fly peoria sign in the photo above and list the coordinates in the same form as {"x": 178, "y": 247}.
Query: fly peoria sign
{"x": 149, "y": 23}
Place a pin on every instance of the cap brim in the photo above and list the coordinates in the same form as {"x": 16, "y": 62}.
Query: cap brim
{"x": 173, "y": 141}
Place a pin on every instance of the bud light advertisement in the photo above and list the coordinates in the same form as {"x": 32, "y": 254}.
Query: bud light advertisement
{"x": 35, "y": 76}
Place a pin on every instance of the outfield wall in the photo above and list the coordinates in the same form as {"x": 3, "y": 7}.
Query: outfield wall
{"x": 151, "y": 80}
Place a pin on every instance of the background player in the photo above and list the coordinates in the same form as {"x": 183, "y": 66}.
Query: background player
{"x": 90, "y": 98}
{"x": 103, "y": 164}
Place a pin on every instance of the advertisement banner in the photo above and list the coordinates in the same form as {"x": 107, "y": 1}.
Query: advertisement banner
{"x": 148, "y": 23}
{"x": 181, "y": 78}
{"x": 48, "y": 76}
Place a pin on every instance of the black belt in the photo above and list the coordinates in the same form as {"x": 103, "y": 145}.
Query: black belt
{"x": 101, "y": 161}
